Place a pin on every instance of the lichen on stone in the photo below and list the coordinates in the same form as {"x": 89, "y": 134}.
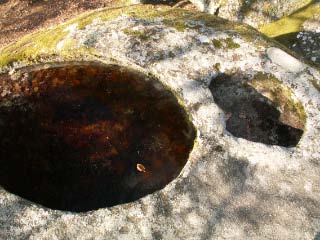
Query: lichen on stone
{"x": 47, "y": 40}
{"x": 253, "y": 179}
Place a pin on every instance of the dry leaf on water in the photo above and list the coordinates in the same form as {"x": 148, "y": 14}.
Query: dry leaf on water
{"x": 141, "y": 168}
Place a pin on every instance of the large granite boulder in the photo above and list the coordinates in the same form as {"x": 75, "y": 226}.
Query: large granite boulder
{"x": 252, "y": 12}
{"x": 253, "y": 172}
{"x": 293, "y": 23}
{"x": 300, "y": 31}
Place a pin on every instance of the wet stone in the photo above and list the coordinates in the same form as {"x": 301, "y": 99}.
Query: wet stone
{"x": 79, "y": 137}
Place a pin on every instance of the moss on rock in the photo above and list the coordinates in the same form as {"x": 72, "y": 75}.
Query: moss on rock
{"x": 217, "y": 43}
{"x": 44, "y": 42}
{"x": 136, "y": 33}
{"x": 292, "y": 111}
{"x": 231, "y": 44}
{"x": 225, "y": 43}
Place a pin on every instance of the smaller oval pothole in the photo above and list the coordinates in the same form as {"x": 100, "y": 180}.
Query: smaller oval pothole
{"x": 81, "y": 136}
{"x": 260, "y": 110}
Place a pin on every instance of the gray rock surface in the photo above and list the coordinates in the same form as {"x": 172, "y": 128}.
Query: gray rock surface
{"x": 307, "y": 44}
{"x": 299, "y": 31}
{"x": 253, "y": 12}
{"x": 231, "y": 187}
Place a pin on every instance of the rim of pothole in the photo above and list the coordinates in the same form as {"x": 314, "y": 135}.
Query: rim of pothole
{"x": 108, "y": 125}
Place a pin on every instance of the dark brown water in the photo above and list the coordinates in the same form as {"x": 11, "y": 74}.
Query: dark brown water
{"x": 82, "y": 137}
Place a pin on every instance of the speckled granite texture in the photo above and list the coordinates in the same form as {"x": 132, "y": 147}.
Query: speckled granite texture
{"x": 230, "y": 188}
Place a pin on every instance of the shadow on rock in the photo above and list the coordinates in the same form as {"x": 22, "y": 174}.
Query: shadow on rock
{"x": 251, "y": 115}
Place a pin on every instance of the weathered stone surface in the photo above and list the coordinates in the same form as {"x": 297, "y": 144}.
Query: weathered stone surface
{"x": 299, "y": 31}
{"x": 253, "y": 12}
{"x": 231, "y": 187}
{"x": 293, "y": 23}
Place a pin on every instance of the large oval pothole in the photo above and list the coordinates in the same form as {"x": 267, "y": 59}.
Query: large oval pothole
{"x": 79, "y": 137}
{"x": 261, "y": 109}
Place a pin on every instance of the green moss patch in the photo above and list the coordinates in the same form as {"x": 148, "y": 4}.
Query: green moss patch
{"x": 292, "y": 111}
{"x": 225, "y": 43}
{"x": 136, "y": 33}
{"x": 231, "y": 44}
{"x": 32, "y": 45}
{"x": 44, "y": 43}
{"x": 217, "y": 43}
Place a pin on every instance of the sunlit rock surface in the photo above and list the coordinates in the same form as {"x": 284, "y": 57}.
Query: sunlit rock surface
{"x": 299, "y": 31}
{"x": 294, "y": 23}
{"x": 235, "y": 184}
{"x": 253, "y": 12}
